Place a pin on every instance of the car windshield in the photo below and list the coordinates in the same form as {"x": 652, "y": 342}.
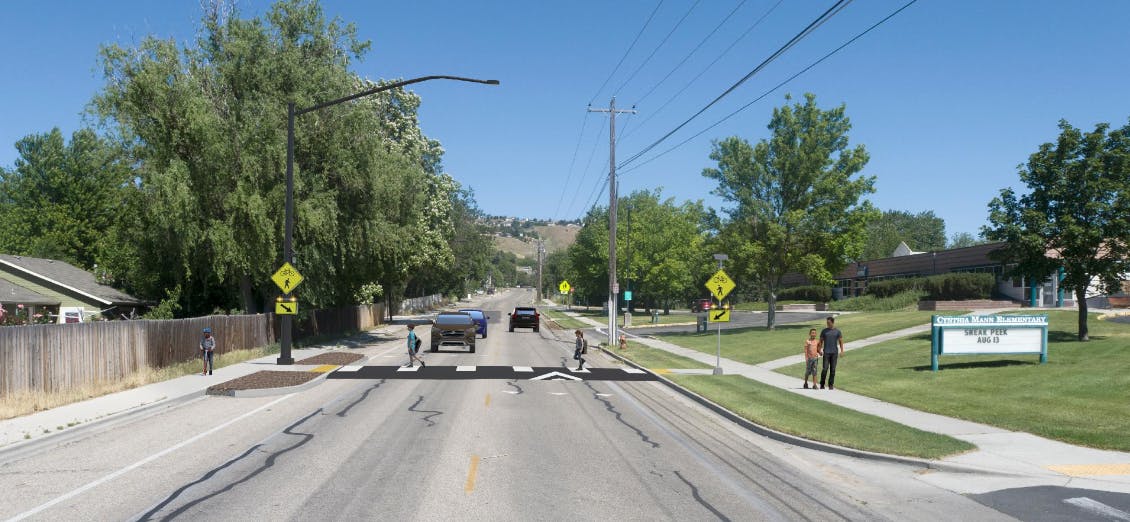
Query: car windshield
{"x": 453, "y": 319}
{"x": 477, "y": 314}
{"x": 524, "y": 311}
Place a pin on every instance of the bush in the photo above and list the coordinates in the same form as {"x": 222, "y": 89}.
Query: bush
{"x": 870, "y": 303}
{"x": 957, "y": 287}
{"x": 816, "y": 294}
{"x": 890, "y": 287}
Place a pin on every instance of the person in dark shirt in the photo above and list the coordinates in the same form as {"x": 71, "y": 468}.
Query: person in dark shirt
{"x": 207, "y": 349}
{"x": 832, "y": 346}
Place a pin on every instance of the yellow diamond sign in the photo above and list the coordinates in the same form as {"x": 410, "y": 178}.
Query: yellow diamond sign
{"x": 720, "y": 285}
{"x": 564, "y": 287}
{"x": 287, "y": 277}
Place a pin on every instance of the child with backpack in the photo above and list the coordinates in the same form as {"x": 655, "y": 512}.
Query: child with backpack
{"x": 414, "y": 347}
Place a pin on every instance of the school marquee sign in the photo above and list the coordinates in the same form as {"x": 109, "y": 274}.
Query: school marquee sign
{"x": 988, "y": 335}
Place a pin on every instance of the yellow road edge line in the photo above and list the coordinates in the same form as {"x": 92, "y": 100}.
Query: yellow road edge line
{"x": 662, "y": 371}
{"x": 1088, "y": 470}
{"x": 325, "y": 368}
{"x": 470, "y": 485}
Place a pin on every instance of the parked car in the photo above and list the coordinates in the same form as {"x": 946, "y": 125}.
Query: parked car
{"x": 701, "y": 305}
{"x": 525, "y": 317}
{"x": 453, "y": 329}
{"x": 480, "y": 318}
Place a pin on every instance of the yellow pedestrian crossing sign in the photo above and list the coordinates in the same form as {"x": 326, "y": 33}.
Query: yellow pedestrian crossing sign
{"x": 564, "y": 287}
{"x": 719, "y": 315}
{"x": 286, "y": 306}
{"x": 720, "y": 285}
{"x": 287, "y": 277}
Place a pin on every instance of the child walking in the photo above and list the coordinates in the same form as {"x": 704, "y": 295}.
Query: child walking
{"x": 580, "y": 350}
{"x": 207, "y": 347}
{"x": 414, "y": 347}
{"x": 811, "y": 357}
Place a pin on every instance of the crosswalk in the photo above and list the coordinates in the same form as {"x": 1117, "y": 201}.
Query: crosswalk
{"x": 491, "y": 372}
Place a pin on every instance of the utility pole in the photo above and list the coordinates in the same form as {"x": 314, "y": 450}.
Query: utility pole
{"x": 541, "y": 259}
{"x": 613, "y": 286}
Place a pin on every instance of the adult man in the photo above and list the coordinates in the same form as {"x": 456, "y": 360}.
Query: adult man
{"x": 832, "y": 346}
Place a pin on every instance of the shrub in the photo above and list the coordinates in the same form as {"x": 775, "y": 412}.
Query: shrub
{"x": 957, "y": 287}
{"x": 890, "y": 287}
{"x": 870, "y": 303}
{"x": 816, "y": 294}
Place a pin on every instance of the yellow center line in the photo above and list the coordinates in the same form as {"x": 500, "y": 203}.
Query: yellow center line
{"x": 488, "y": 400}
{"x": 470, "y": 486}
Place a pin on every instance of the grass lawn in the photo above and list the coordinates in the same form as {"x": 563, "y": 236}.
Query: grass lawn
{"x": 758, "y": 345}
{"x": 656, "y": 359}
{"x": 566, "y": 322}
{"x": 818, "y": 420}
{"x": 762, "y": 306}
{"x": 640, "y": 317}
{"x": 1079, "y": 396}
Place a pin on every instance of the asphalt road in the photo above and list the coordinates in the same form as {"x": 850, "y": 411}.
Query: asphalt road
{"x": 459, "y": 449}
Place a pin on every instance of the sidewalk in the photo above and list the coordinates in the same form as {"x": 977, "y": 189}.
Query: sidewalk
{"x": 1041, "y": 460}
{"x": 52, "y": 423}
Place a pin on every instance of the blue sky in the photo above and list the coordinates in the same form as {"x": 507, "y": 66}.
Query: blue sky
{"x": 948, "y": 97}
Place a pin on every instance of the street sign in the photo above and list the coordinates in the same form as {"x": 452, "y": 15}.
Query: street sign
{"x": 720, "y": 285}
{"x": 564, "y": 287}
{"x": 616, "y": 288}
{"x": 287, "y": 277}
{"x": 287, "y": 306}
{"x": 720, "y": 315}
{"x": 627, "y": 295}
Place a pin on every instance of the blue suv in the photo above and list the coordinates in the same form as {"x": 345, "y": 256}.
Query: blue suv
{"x": 480, "y": 318}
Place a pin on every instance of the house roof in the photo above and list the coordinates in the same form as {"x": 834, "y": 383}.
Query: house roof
{"x": 12, "y": 293}
{"x": 67, "y": 276}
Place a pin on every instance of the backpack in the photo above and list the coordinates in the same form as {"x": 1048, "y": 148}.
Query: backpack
{"x": 417, "y": 348}
{"x": 584, "y": 346}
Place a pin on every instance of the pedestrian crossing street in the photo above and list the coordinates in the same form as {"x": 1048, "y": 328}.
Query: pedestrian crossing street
{"x": 492, "y": 372}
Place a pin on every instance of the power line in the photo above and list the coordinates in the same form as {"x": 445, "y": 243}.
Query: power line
{"x": 569, "y": 174}
{"x": 696, "y": 48}
{"x": 657, "y": 47}
{"x": 711, "y": 64}
{"x": 621, "y": 62}
{"x": 585, "y": 172}
{"x": 774, "y": 88}
{"x": 832, "y": 11}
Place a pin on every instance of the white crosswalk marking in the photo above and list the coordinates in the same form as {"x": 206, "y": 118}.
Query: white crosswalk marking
{"x": 349, "y": 368}
{"x": 465, "y": 368}
{"x": 1098, "y": 508}
{"x": 523, "y": 369}
{"x": 634, "y": 370}
{"x": 408, "y": 368}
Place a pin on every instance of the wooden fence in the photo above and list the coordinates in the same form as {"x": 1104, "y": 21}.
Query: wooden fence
{"x": 55, "y": 357}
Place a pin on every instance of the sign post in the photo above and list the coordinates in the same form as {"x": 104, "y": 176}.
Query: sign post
{"x": 287, "y": 278}
{"x": 720, "y": 285}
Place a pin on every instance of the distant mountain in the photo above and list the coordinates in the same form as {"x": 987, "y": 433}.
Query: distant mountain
{"x": 519, "y": 236}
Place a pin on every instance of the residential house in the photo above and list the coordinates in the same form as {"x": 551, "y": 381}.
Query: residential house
{"x": 61, "y": 291}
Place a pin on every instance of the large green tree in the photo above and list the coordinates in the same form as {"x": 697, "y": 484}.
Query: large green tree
{"x": 61, "y": 199}
{"x": 205, "y": 128}
{"x": 922, "y": 232}
{"x": 1075, "y": 215}
{"x": 796, "y": 199}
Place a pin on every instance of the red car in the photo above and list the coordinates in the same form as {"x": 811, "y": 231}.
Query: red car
{"x": 701, "y": 305}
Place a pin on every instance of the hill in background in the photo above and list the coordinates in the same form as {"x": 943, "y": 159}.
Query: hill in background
{"x": 519, "y": 236}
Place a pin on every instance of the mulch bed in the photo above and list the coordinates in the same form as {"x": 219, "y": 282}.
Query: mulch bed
{"x": 262, "y": 380}
{"x": 334, "y": 358}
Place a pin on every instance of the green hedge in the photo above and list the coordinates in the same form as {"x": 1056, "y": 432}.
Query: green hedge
{"x": 816, "y": 294}
{"x": 943, "y": 287}
{"x": 870, "y": 303}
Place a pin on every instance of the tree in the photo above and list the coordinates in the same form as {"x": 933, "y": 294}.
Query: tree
{"x": 1076, "y": 214}
{"x": 61, "y": 199}
{"x": 795, "y": 198}
{"x": 922, "y": 232}
{"x": 965, "y": 239}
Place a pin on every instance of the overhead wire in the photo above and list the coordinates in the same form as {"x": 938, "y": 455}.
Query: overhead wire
{"x": 832, "y": 11}
{"x": 691, "y": 53}
{"x": 585, "y": 172}
{"x": 774, "y": 88}
{"x": 626, "y": 53}
{"x": 652, "y": 114}
{"x": 657, "y": 47}
{"x": 572, "y": 162}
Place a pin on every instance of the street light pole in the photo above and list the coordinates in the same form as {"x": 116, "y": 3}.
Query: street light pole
{"x": 288, "y": 233}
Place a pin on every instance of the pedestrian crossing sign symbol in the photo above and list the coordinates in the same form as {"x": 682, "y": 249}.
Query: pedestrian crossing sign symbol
{"x": 286, "y": 306}
{"x": 720, "y": 285}
{"x": 720, "y": 315}
{"x": 564, "y": 287}
{"x": 287, "y": 277}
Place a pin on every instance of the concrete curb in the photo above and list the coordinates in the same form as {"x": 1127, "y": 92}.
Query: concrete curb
{"x": 808, "y": 443}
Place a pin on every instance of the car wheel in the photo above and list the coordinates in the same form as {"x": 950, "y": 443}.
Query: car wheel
{"x": 536, "y": 329}
{"x": 484, "y": 335}
{"x": 435, "y": 348}
{"x": 511, "y": 328}
{"x": 472, "y": 349}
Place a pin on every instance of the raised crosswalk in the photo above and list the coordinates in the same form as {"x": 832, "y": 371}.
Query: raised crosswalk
{"x": 491, "y": 372}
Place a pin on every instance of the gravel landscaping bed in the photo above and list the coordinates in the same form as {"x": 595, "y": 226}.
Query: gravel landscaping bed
{"x": 335, "y": 358}
{"x": 262, "y": 380}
